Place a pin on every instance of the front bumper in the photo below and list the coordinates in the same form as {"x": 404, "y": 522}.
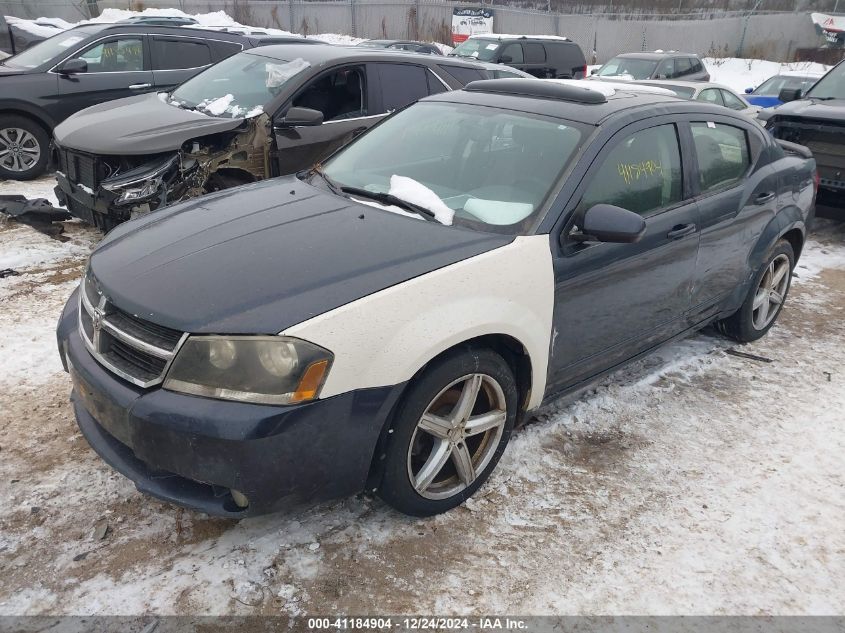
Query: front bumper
{"x": 192, "y": 451}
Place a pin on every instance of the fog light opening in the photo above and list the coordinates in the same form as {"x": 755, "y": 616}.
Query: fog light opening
{"x": 239, "y": 498}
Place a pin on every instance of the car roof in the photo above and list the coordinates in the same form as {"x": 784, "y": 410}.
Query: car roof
{"x": 655, "y": 55}
{"x": 195, "y": 30}
{"x": 319, "y": 54}
{"x": 502, "y": 37}
{"x": 552, "y": 99}
{"x": 666, "y": 83}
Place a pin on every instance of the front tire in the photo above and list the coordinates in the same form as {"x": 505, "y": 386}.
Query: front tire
{"x": 765, "y": 298}
{"x": 23, "y": 148}
{"x": 449, "y": 432}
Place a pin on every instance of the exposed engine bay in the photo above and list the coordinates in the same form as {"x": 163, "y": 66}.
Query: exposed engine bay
{"x": 108, "y": 190}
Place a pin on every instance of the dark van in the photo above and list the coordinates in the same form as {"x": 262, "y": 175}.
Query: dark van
{"x": 546, "y": 56}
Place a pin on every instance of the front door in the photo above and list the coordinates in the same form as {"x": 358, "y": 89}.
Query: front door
{"x": 344, "y": 96}
{"x": 117, "y": 67}
{"x": 613, "y": 301}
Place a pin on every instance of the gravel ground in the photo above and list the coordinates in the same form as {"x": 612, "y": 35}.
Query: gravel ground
{"x": 693, "y": 482}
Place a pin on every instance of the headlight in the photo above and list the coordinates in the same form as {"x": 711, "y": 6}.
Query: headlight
{"x": 146, "y": 190}
{"x": 142, "y": 182}
{"x": 259, "y": 369}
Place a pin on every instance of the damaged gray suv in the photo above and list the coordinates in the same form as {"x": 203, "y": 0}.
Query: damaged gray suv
{"x": 258, "y": 114}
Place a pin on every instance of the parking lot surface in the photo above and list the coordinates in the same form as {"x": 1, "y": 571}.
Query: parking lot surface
{"x": 695, "y": 481}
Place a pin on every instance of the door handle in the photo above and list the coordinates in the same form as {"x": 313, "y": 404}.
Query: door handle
{"x": 680, "y": 231}
{"x": 140, "y": 86}
{"x": 763, "y": 198}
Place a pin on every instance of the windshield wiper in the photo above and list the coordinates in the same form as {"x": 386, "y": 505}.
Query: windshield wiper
{"x": 387, "y": 198}
{"x": 317, "y": 169}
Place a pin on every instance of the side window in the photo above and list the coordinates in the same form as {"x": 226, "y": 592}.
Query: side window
{"x": 642, "y": 173}
{"x": 222, "y": 50}
{"x": 401, "y": 84}
{"x": 435, "y": 86}
{"x": 722, "y": 152}
{"x": 683, "y": 67}
{"x": 711, "y": 95}
{"x": 339, "y": 95}
{"x": 464, "y": 74}
{"x": 118, "y": 55}
{"x": 534, "y": 53}
{"x": 696, "y": 65}
{"x": 514, "y": 51}
{"x": 176, "y": 54}
{"x": 666, "y": 69}
{"x": 732, "y": 101}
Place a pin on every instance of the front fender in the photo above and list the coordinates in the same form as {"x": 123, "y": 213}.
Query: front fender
{"x": 387, "y": 337}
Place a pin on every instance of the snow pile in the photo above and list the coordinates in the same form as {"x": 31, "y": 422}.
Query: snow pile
{"x": 412, "y": 191}
{"x": 216, "y": 107}
{"x": 42, "y": 27}
{"x": 739, "y": 74}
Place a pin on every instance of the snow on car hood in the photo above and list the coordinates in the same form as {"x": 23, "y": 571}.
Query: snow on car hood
{"x": 137, "y": 125}
{"x": 262, "y": 258}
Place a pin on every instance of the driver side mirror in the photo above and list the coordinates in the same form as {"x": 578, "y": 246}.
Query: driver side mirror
{"x": 73, "y": 67}
{"x": 594, "y": 71}
{"x": 789, "y": 94}
{"x": 608, "y": 223}
{"x": 748, "y": 91}
{"x": 297, "y": 117}
{"x": 505, "y": 59}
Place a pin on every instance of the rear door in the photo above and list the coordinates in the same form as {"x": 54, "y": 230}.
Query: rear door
{"x": 736, "y": 199}
{"x": 118, "y": 66}
{"x": 614, "y": 301}
{"x": 176, "y": 59}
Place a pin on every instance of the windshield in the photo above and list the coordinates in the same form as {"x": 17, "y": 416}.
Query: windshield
{"x": 45, "y": 51}
{"x": 628, "y": 67}
{"x": 485, "y": 50}
{"x": 241, "y": 85}
{"x": 473, "y": 166}
{"x": 772, "y": 86}
{"x": 831, "y": 86}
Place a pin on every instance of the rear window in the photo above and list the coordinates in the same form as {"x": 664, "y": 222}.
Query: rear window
{"x": 178, "y": 53}
{"x": 534, "y": 52}
{"x": 722, "y": 152}
{"x": 463, "y": 74}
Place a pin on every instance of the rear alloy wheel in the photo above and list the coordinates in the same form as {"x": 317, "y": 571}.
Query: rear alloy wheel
{"x": 23, "y": 148}
{"x": 765, "y": 299}
{"x": 449, "y": 432}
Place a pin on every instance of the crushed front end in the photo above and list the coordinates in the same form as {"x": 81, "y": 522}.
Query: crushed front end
{"x": 107, "y": 190}
{"x": 824, "y": 137}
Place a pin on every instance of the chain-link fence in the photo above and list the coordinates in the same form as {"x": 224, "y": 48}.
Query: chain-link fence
{"x": 773, "y": 36}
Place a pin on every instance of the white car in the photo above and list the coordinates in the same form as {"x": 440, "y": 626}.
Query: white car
{"x": 709, "y": 93}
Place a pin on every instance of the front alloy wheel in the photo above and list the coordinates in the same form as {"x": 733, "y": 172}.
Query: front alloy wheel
{"x": 23, "y": 148}
{"x": 457, "y": 436}
{"x": 448, "y": 432}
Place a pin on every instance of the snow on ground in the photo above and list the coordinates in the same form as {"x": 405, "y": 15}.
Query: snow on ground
{"x": 692, "y": 482}
{"x": 740, "y": 74}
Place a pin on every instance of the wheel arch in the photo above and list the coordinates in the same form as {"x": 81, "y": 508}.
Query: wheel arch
{"x": 28, "y": 112}
{"x": 511, "y": 349}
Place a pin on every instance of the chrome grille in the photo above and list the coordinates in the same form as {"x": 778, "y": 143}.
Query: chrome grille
{"x": 134, "y": 349}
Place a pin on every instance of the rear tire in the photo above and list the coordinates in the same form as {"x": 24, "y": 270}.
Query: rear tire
{"x": 765, "y": 298}
{"x": 24, "y": 148}
{"x": 449, "y": 432}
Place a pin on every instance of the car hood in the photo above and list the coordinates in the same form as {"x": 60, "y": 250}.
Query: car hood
{"x": 833, "y": 110}
{"x": 136, "y": 125}
{"x": 262, "y": 258}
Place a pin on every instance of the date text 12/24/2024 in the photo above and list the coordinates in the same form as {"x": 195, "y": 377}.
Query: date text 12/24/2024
{"x": 420, "y": 623}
